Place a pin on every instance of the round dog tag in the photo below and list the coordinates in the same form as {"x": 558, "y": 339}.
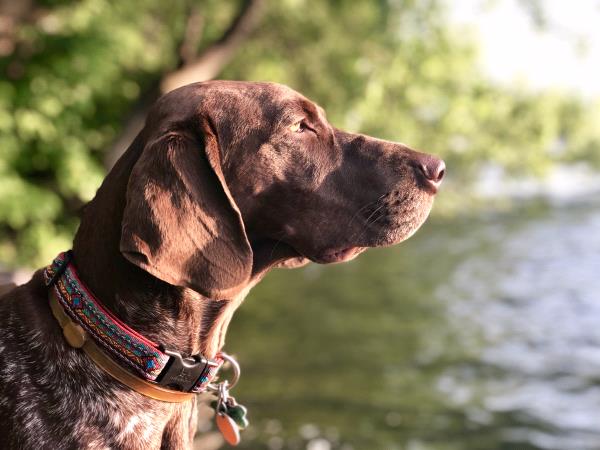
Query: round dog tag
{"x": 74, "y": 334}
{"x": 228, "y": 428}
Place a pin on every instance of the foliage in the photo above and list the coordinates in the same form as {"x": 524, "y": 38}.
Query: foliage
{"x": 68, "y": 85}
{"x": 398, "y": 71}
{"x": 391, "y": 68}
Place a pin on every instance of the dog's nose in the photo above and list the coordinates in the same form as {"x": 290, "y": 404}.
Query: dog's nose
{"x": 433, "y": 170}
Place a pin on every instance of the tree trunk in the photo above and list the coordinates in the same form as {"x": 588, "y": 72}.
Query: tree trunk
{"x": 202, "y": 67}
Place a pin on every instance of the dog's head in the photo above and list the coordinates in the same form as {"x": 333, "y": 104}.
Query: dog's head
{"x": 238, "y": 175}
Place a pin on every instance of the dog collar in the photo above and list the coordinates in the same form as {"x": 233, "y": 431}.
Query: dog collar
{"x": 137, "y": 362}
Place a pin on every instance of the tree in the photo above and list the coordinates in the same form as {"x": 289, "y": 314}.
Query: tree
{"x": 79, "y": 76}
{"x": 73, "y": 72}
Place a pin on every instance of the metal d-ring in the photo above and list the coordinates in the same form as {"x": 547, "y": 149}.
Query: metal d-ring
{"x": 234, "y": 380}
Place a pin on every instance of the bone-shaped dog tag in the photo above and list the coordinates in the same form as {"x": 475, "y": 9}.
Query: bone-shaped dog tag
{"x": 238, "y": 414}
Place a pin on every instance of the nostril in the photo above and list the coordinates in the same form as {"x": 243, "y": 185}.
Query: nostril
{"x": 434, "y": 170}
{"x": 441, "y": 172}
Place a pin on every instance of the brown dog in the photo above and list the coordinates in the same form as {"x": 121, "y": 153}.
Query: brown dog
{"x": 226, "y": 181}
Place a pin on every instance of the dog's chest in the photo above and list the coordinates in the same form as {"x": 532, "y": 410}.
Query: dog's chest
{"x": 52, "y": 396}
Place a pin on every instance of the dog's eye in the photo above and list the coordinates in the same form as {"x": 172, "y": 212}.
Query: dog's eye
{"x": 298, "y": 127}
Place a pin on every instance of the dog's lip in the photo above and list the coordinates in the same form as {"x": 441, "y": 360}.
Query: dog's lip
{"x": 338, "y": 255}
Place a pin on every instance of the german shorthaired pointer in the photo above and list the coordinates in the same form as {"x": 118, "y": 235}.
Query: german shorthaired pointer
{"x": 226, "y": 181}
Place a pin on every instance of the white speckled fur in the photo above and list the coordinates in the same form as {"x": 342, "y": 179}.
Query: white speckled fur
{"x": 53, "y": 397}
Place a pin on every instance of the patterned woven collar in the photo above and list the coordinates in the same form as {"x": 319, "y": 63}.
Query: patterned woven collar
{"x": 131, "y": 350}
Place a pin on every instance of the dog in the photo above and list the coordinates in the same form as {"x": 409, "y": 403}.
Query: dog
{"x": 226, "y": 181}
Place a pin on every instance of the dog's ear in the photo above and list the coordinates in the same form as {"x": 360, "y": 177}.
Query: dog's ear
{"x": 180, "y": 221}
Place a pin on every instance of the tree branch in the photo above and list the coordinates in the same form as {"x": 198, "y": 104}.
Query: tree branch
{"x": 214, "y": 58}
{"x": 191, "y": 37}
{"x": 11, "y": 15}
{"x": 203, "y": 67}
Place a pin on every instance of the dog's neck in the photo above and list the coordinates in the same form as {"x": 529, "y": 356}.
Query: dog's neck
{"x": 177, "y": 317}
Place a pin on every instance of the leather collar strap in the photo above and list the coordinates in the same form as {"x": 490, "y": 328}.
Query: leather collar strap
{"x": 123, "y": 353}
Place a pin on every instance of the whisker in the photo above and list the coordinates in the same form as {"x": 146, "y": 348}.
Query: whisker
{"x": 369, "y": 223}
{"x": 362, "y": 208}
{"x": 367, "y": 220}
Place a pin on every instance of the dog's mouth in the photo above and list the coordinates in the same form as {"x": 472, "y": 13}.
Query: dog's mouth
{"x": 390, "y": 230}
{"x": 338, "y": 255}
{"x": 329, "y": 256}
{"x": 389, "y": 221}
{"x": 395, "y": 218}
{"x": 402, "y": 230}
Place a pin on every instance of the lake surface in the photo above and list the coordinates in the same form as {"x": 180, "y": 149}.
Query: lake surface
{"x": 480, "y": 333}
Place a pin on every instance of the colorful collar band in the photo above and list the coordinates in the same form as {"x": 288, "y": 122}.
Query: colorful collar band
{"x": 83, "y": 316}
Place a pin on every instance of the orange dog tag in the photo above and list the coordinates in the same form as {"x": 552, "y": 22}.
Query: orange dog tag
{"x": 228, "y": 428}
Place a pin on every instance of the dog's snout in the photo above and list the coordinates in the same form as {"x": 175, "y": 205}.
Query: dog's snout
{"x": 432, "y": 170}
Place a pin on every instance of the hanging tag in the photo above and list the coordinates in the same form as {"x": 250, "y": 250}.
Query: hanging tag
{"x": 238, "y": 413}
{"x": 228, "y": 428}
{"x": 229, "y": 415}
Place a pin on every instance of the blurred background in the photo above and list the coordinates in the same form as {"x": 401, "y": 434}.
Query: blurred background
{"x": 481, "y": 332}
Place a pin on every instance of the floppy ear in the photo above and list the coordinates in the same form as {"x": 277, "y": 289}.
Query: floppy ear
{"x": 180, "y": 221}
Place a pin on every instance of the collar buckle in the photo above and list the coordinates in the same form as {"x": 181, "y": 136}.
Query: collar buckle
{"x": 183, "y": 373}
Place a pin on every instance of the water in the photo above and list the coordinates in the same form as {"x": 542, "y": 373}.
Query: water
{"x": 481, "y": 333}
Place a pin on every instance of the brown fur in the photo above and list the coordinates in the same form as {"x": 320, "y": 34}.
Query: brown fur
{"x": 217, "y": 189}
